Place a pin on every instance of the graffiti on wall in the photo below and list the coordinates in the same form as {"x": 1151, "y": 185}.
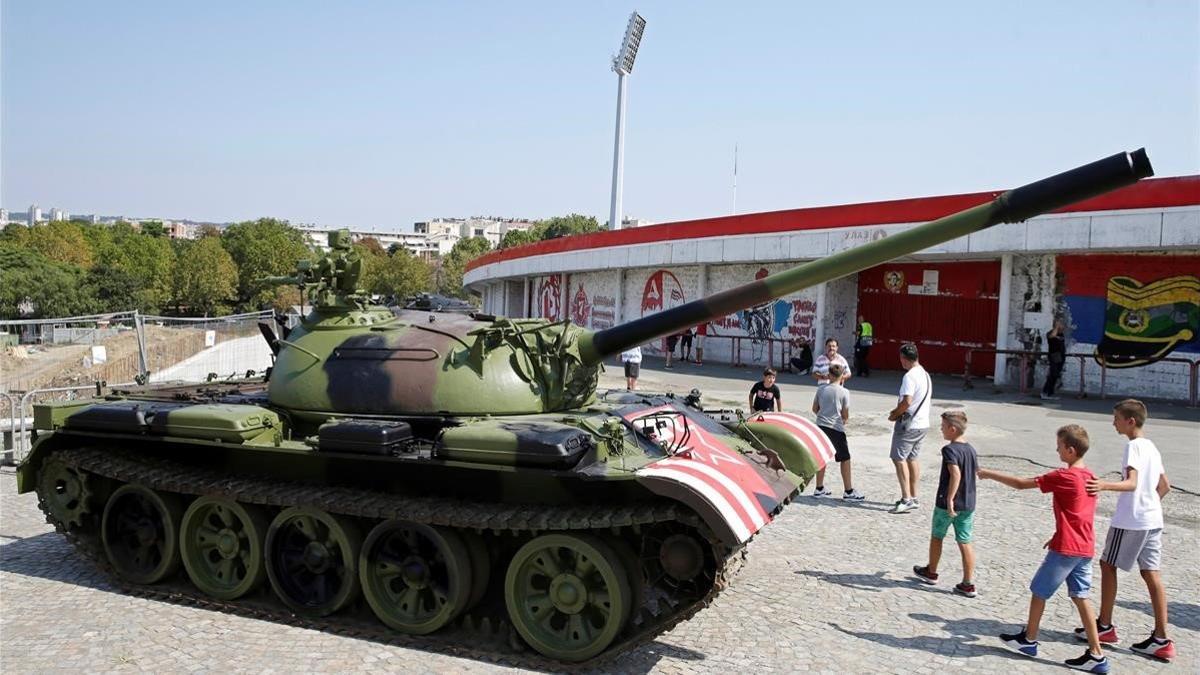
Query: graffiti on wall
{"x": 1145, "y": 322}
{"x": 581, "y": 307}
{"x": 662, "y": 291}
{"x": 604, "y": 312}
{"x": 550, "y": 297}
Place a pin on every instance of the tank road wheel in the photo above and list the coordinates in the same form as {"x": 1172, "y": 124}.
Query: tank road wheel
{"x": 312, "y": 560}
{"x": 140, "y": 531}
{"x": 64, "y": 491}
{"x": 221, "y": 543}
{"x": 567, "y": 595}
{"x": 416, "y": 578}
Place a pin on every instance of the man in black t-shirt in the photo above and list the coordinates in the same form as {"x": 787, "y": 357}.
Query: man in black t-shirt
{"x": 764, "y": 396}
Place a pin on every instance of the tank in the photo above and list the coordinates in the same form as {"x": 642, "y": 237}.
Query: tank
{"x": 453, "y": 478}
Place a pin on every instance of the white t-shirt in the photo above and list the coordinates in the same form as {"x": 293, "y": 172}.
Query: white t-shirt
{"x": 821, "y": 366}
{"x": 1140, "y": 509}
{"x": 916, "y": 384}
{"x": 633, "y": 355}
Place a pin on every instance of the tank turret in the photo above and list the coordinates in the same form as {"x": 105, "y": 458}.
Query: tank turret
{"x": 349, "y": 357}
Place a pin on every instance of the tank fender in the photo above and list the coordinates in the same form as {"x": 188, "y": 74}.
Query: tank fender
{"x": 734, "y": 493}
{"x": 801, "y": 444}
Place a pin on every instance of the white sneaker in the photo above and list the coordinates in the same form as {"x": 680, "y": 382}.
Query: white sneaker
{"x": 914, "y": 503}
{"x": 821, "y": 492}
{"x": 904, "y": 506}
{"x": 854, "y": 495}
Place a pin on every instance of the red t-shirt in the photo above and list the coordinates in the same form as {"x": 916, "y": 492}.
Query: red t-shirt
{"x": 1074, "y": 510}
{"x": 702, "y": 329}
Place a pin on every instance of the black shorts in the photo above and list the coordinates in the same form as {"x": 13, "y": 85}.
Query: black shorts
{"x": 671, "y": 342}
{"x": 687, "y": 340}
{"x": 632, "y": 369}
{"x": 840, "y": 447}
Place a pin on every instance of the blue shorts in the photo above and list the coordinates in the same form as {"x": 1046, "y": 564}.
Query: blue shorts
{"x": 1056, "y": 568}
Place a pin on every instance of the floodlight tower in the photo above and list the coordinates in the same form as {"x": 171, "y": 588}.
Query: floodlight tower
{"x": 623, "y": 66}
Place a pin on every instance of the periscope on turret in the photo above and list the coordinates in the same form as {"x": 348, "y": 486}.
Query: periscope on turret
{"x": 454, "y": 473}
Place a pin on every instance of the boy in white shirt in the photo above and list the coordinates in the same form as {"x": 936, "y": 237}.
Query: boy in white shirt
{"x": 1135, "y": 534}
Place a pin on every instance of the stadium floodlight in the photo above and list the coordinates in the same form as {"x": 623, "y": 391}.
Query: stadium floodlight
{"x": 623, "y": 62}
{"x": 622, "y": 65}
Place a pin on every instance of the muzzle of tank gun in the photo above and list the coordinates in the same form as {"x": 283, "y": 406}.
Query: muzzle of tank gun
{"x": 1048, "y": 194}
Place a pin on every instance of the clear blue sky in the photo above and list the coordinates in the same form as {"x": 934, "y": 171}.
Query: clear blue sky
{"x": 385, "y": 113}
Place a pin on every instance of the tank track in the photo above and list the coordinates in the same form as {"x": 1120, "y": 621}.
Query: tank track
{"x": 500, "y": 644}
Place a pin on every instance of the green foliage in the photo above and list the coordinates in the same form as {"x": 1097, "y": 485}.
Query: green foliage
{"x": 53, "y": 289}
{"x": 153, "y": 228}
{"x": 261, "y": 248}
{"x": 205, "y": 279}
{"x": 111, "y": 287}
{"x": 517, "y": 238}
{"x": 454, "y": 264}
{"x": 61, "y": 241}
{"x": 565, "y": 226}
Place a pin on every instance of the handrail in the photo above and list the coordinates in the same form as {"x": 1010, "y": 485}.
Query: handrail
{"x": 1026, "y": 354}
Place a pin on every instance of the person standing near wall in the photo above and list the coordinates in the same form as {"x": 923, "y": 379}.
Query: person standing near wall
{"x": 911, "y": 417}
{"x": 632, "y": 358}
{"x": 820, "y": 369}
{"x": 1056, "y": 344}
{"x": 701, "y": 333}
{"x": 864, "y": 338}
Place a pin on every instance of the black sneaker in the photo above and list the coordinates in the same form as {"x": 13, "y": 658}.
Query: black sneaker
{"x": 1108, "y": 634}
{"x": 924, "y": 575}
{"x": 1020, "y": 644}
{"x": 1089, "y": 662}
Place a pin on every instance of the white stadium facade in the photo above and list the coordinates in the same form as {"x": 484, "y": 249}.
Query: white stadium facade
{"x": 1123, "y": 271}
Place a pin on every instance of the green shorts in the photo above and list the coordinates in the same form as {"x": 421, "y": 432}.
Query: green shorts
{"x": 964, "y": 523}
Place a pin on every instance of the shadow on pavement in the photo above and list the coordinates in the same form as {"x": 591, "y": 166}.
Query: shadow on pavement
{"x": 954, "y": 646}
{"x": 1183, "y": 615}
{"x": 837, "y": 502}
{"x": 991, "y": 629}
{"x": 48, "y": 556}
{"x": 866, "y": 582}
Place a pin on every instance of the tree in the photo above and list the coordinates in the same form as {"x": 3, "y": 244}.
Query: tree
{"x": 206, "y": 277}
{"x": 565, "y": 226}
{"x": 53, "y": 289}
{"x": 61, "y": 241}
{"x": 517, "y": 238}
{"x": 150, "y": 260}
{"x": 153, "y": 228}
{"x": 455, "y": 262}
{"x": 401, "y": 275}
{"x": 261, "y": 248}
{"x": 112, "y": 289}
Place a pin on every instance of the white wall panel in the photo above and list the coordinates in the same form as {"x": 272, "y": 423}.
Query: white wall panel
{"x": 1181, "y": 228}
{"x": 1057, "y": 234}
{"x": 1142, "y": 230}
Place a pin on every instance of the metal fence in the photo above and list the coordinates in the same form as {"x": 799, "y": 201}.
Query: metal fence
{"x": 48, "y": 359}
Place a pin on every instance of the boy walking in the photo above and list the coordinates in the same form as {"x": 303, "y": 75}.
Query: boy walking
{"x": 955, "y": 504}
{"x": 832, "y": 408}
{"x": 632, "y": 358}
{"x": 1136, "y": 531}
{"x": 1071, "y": 548}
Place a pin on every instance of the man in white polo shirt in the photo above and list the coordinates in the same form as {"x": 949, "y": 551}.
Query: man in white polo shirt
{"x": 820, "y": 368}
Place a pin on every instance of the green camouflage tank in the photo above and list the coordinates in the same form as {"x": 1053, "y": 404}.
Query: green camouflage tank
{"x": 453, "y": 476}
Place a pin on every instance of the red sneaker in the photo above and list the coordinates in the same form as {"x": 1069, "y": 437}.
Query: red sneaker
{"x": 1152, "y": 647}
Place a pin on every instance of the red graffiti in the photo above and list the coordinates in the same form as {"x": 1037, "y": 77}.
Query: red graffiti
{"x": 662, "y": 291}
{"x": 581, "y": 309}
{"x": 550, "y": 296}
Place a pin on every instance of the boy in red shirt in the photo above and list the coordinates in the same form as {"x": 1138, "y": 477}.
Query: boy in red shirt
{"x": 1071, "y": 548}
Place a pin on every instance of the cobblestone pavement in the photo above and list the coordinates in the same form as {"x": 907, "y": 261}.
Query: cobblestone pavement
{"x": 826, "y": 588}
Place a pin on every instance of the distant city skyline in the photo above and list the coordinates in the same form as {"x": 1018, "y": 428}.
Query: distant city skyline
{"x": 378, "y": 115}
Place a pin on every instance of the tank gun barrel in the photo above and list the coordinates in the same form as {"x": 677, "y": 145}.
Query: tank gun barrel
{"x": 1016, "y": 205}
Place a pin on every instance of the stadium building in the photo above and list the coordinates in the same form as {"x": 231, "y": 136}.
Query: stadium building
{"x": 1123, "y": 271}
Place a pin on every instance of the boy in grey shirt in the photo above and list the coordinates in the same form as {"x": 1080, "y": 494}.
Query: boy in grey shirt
{"x": 832, "y": 408}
